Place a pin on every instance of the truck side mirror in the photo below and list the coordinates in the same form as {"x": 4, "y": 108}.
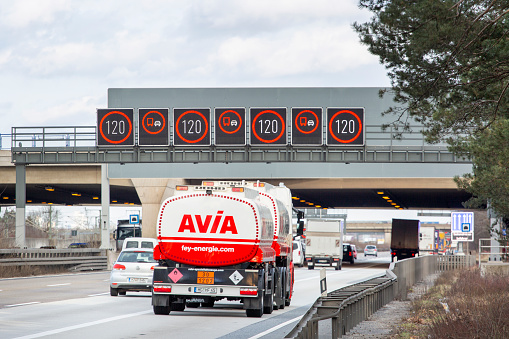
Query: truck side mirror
{"x": 300, "y": 228}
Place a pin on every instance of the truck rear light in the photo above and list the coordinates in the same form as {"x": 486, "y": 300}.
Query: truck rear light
{"x": 164, "y": 288}
{"x": 237, "y": 189}
{"x": 248, "y": 291}
{"x": 336, "y": 259}
{"x": 259, "y": 184}
{"x": 208, "y": 183}
{"x": 118, "y": 267}
{"x": 152, "y": 268}
{"x": 308, "y": 259}
{"x": 181, "y": 188}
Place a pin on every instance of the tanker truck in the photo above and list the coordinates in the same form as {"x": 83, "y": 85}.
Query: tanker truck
{"x": 224, "y": 240}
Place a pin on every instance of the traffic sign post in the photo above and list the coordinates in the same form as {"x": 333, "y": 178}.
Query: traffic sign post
{"x": 462, "y": 226}
{"x": 153, "y": 127}
{"x": 268, "y": 126}
{"x": 115, "y": 127}
{"x": 230, "y": 126}
{"x": 191, "y": 126}
{"x": 306, "y": 126}
{"x": 345, "y": 126}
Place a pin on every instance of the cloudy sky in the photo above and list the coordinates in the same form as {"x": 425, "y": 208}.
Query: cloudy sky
{"x": 59, "y": 57}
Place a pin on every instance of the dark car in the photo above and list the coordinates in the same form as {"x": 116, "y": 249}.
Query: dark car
{"x": 79, "y": 245}
{"x": 348, "y": 254}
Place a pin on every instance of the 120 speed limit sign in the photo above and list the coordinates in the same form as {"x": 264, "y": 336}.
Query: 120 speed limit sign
{"x": 345, "y": 126}
{"x": 115, "y": 127}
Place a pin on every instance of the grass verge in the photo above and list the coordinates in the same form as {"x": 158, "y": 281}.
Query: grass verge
{"x": 461, "y": 304}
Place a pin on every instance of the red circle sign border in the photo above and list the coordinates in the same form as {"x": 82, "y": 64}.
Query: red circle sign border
{"x": 350, "y": 140}
{"x": 101, "y": 127}
{"x": 297, "y": 125}
{"x": 280, "y": 134}
{"x": 143, "y": 122}
{"x": 204, "y": 133}
{"x": 221, "y": 127}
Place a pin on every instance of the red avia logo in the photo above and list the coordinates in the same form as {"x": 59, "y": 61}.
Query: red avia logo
{"x": 195, "y": 223}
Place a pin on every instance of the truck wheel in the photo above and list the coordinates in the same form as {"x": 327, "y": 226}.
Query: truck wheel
{"x": 208, "y": 304}
{"x": 178, "y": 306}
{"x": 338, "y": 267}
{"x": 283, "y": 292}
{"x": 311, "y": 267}
{"x": 268, "y": 299}
{"x": 162, "y": 310}
{"x": 268, "y": 304}
{"x": 113, "y": 292}
{"x": 193, "y": 305}
{"x": 288, "y": 294}
{"x": 256, "y": 312}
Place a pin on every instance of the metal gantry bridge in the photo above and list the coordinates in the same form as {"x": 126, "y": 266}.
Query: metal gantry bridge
{"x": 77, "y": 145}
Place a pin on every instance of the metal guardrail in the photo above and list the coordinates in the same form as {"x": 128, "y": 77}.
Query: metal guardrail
{"x": 79, "y": 259}
{"x": 346, "y": 307}
{"x": 493, "y": 250}
{"x": 353, "y": 304}
{"x": 64, "y": 145}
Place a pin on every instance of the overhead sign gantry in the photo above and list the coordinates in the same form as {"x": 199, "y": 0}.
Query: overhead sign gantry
{"x": 269, "y": 126}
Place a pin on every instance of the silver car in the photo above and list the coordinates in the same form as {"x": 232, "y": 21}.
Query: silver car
{"x": 132, "y": 271}
{"x": 370, "y": 250}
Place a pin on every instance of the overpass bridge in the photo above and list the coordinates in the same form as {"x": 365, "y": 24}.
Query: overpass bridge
{"x": 321, "y": 172}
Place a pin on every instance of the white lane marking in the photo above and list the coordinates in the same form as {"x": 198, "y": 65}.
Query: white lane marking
{"x": 318, "y": 277}
{"x": 23, "y": 304}
{"x": 75, "y": 327}
{"x": 98, "y": 294}
{"x": 259, "y": 335}
{"x": 65, "y": 284}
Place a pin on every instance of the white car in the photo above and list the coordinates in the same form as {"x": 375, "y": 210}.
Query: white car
{"x": 132, "y": 271}
{"x": 138, "y": 242}
{"x": 298, "y": 253}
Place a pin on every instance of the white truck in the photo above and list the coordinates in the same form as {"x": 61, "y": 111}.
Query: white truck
{"x": 427, "y": 239}
{"x": 324, "y": 243}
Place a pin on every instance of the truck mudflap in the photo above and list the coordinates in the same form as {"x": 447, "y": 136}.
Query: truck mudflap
{"x": 205, "y": 281}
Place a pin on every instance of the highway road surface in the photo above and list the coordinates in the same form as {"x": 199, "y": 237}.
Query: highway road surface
{"x": 79, "y": 306}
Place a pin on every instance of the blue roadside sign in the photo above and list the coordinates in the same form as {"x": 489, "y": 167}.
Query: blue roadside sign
{"x": 462, "y": 226}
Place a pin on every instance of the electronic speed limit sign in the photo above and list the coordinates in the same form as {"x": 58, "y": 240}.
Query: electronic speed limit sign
{"x": 115, "y": 127}
{"x": 191, "y": 126}
{"x": 345, "y": 126}
{"x": 268, "y": 126}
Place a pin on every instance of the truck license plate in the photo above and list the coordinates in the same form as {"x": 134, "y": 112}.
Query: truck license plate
{"x": 205, "y": 277}
{"x": 208, "y": 290}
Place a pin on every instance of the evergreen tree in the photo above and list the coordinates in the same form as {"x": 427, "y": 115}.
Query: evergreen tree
{"x": 448, "y": 61}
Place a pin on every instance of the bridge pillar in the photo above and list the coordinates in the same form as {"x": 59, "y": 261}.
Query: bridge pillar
{"x": 152, "y": 192}
{"x": 105, "y": 208}
{"x": 21, "y": 199}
